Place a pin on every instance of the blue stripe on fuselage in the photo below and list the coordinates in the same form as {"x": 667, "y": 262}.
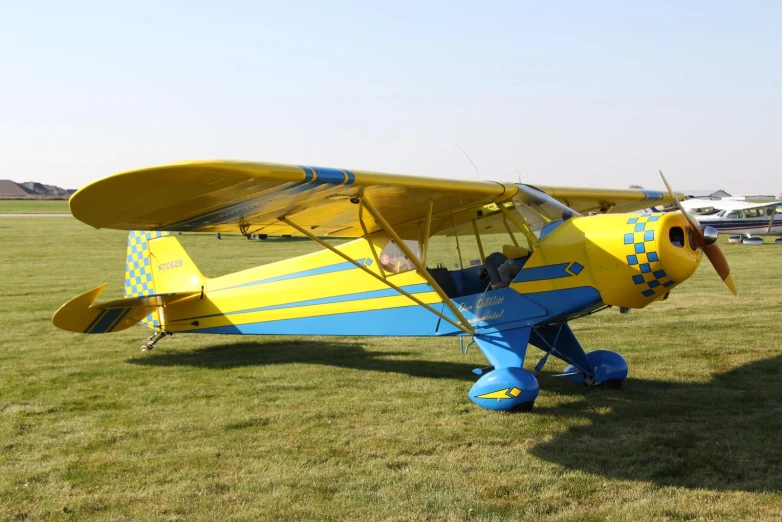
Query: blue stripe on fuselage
{"x": 404, "y": 321}
{"x": 415, "y": 320}
{"x": 540, "y": 273}
{"x": 741, "y": 223}
{"x": 339, "y": 267}
{"x": 388, "y": 292}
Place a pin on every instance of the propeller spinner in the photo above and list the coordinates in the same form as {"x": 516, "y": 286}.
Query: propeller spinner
{"x": 706, "y": 239}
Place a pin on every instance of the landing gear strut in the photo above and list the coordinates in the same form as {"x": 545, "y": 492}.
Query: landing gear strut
{"x": 609, "y": 370}
{"x": 153, "y": 339}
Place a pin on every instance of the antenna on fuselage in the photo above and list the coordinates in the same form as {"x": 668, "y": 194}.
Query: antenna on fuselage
{"x": 467, "y": 156}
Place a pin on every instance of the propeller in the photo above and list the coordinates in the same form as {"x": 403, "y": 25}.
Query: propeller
{"x": 706, "y": 239}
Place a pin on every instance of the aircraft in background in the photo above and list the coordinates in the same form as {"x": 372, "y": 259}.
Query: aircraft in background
{"x": 426, "y": 259}
{"x": 738, "y": 217}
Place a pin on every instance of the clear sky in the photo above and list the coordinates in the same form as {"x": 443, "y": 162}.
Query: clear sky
{"x": 567, "y": 93}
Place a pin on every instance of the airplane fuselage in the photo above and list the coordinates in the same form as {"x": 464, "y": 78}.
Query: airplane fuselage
{"x": 755, "y": 226}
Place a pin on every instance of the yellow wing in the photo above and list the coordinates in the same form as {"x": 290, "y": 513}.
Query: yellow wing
{"x": 586, "y": 200}
{"x": 223, "y": 196}
{"x": 226, "y": 196}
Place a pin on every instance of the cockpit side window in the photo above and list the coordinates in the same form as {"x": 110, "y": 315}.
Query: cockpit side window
{"x": 393, "y": 259}
{"x": 466, "y": 244}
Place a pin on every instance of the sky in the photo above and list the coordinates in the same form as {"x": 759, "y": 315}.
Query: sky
{"x": 598, "y": 94}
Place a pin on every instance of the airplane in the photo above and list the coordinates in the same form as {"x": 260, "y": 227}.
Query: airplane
{"x": 739, "y": 217}
{"x": 405, "y": 269}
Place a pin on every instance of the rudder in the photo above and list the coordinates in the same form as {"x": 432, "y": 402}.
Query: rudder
{"x": 156, "y": 264}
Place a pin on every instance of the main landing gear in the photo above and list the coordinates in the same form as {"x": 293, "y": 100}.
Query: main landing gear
{"x": 153, "y": 339}
{"x": 609, "y": 370}
{"x": 506, "y": 389}
{"x": 506, "y": 386}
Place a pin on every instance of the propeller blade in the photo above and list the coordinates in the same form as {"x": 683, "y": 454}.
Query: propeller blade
{"x": 720, "y": 264}
{"x": 691, "y": 219}
{"x": 670, "y": 191}
{"x": 710, "y": 248}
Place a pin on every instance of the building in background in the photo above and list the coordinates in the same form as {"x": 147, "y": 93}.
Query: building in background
{"x": 31, "y": 190}
{"x": 706, "y": 194}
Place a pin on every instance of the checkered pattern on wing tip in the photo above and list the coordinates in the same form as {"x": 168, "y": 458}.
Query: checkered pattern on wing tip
{"x": 138, "y": 269}
{"x": 640, "y": 243}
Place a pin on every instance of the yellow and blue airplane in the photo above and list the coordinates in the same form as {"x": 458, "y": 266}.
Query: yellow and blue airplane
{"x": 556, "y": 261}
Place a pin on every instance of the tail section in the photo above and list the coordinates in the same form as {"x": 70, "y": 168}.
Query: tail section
{"x": 82, "y": 315}
{"x": 158, "y": 272}
{"x": 157, "y": 265}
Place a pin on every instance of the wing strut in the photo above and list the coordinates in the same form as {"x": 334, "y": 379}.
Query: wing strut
{"x": 371, "y": 245}
{"x": 427, "y": 229}
{"x": 480, "y": 245}
{"x": 386, "y": 281}
{"x": 510, "y": 233}
{"x": 771, "y": 221}
{"x": 422, "y": 271}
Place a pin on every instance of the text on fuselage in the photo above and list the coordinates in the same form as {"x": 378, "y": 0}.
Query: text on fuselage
{"x": 169, "y": 265}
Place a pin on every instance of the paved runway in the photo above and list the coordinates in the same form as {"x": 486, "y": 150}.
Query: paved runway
{"x": 35, "y": 215}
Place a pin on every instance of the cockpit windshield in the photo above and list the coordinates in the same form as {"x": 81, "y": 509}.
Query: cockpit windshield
{"x": 539, "y": 209}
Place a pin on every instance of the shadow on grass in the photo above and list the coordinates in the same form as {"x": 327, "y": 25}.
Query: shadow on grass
{"x": 721, "y": 435}
{"x": 343, "y": 355}
{"x": 280, "y": 239}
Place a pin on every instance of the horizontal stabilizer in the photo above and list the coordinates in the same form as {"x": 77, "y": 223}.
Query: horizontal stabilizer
{"x": 81, "y": 315}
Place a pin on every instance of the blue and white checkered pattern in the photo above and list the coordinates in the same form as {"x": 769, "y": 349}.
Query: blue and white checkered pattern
{"x": 138, "y": 270}
{"x": 152, "y": 320}
{"x": 640, "y": 241}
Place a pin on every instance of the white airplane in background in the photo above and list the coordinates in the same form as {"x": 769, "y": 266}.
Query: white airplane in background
{"x": 738, "y": 217}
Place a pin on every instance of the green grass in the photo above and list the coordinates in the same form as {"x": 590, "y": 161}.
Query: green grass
{"x": 301, "y": 428}
{"x": 34, "y": 206}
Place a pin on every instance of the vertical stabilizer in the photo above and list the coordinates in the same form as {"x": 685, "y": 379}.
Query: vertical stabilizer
{"x": 156, "y": 264}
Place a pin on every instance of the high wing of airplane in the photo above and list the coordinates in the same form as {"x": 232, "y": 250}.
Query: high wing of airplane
{"x": 740, "y": 217}
{"x": 506, "y": 265}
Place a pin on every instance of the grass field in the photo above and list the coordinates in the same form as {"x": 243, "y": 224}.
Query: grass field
{"x": 297, "y": 428}
{"x": 22, "y": 206}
